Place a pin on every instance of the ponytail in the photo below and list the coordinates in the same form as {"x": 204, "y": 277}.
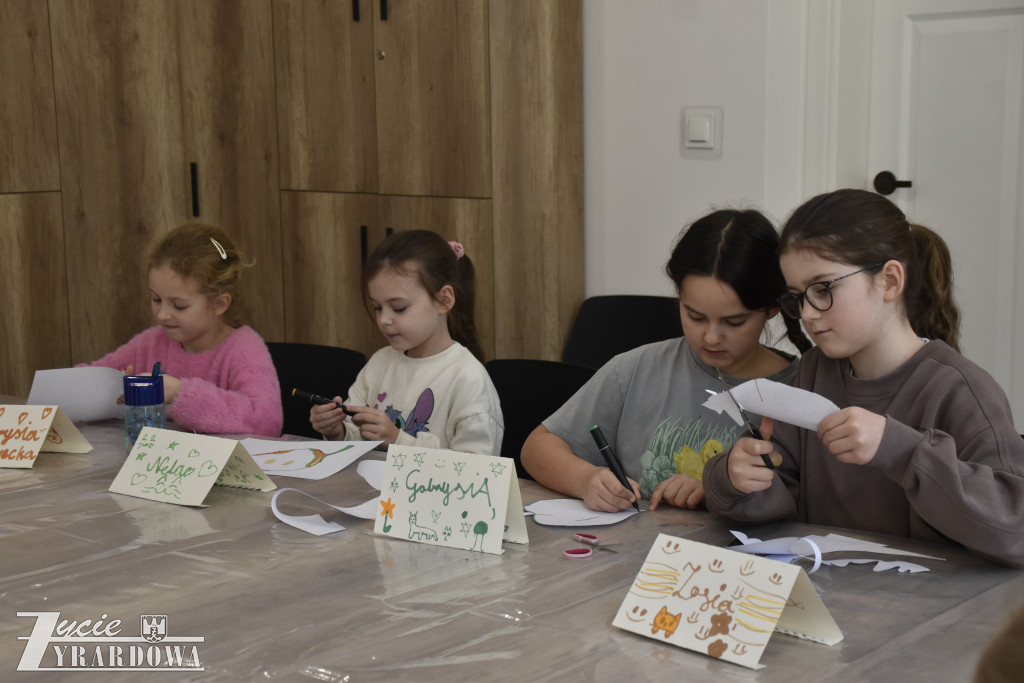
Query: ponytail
{"x": 461, "y": 323}
{"x": 929, "y": 292}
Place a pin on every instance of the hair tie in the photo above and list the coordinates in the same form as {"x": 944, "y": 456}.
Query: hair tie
{"x": 457, "y": 248}
{"x": 220, "y": 250}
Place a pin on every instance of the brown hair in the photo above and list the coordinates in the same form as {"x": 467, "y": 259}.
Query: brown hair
{"x": 206, "y": 254}
{"x": 862, "y": 228}
{"x": 740, "y": 248}
{"x": 434, "y": 261}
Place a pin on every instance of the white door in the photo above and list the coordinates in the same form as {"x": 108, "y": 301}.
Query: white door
{"x": 947, "y": 80}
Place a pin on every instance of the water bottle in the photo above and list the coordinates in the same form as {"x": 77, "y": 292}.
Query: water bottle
{"x": 143, "y": 406}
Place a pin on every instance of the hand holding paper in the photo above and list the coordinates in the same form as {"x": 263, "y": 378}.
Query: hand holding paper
{"x": 775, "y": 400}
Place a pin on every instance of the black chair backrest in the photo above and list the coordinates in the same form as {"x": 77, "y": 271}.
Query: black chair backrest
{"x": 323, "y": 370}
{"x": 530, "y": 391}
{"x": 609, "y": 325}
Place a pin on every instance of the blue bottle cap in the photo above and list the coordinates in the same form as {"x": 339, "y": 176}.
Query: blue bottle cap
{"x": 143, "y": 391}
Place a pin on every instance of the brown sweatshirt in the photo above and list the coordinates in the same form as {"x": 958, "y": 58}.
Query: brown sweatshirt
{"x": 950, "y": 466}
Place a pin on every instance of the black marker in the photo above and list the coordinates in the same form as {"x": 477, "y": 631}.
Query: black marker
{"x": 609, "y": 458}
{"x": 319, "y": 400}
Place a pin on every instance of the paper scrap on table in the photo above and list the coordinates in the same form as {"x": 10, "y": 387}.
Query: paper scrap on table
{"x": 721, "y": 603}
{"x": 775, "y": 400}
{"x": 84, "y": 394}
{"x": 316, "y": 524}
{"x": 306, "y": 459}
{"x": 790, "y": 548}
{"x": 572, "y": 512}
{"x": 373, "y": 472}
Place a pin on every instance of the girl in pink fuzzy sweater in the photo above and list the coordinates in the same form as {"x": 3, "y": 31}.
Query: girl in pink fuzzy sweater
{"x": 218, "y": 378}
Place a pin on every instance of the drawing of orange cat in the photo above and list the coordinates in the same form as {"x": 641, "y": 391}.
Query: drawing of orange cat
{"x": 665, "y": 622}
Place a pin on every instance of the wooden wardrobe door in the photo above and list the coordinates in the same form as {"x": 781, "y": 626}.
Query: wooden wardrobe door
{"x": 537, "y": 126}
{"x": 34, "y": 331}
{"x": 467, "y": 221}
{"x": 326, "y": 110}
{"x": 433, "y": 132}
{"x": 28, "y": 145}
{"x": 323, "y": 268}
{"x": 119, "y": 117}
{"x": 229, "y": 126}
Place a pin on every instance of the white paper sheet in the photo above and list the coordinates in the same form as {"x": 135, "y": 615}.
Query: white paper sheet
{"x": 306, "y": 459}
{"x": 84, "y": 394}
{"x": 775, "y": 400}
{"x": 373, "y": 472}
{"x": 572, "y": 512}
{"x": 791, "y": 548}
{"x": 317, "y": 525}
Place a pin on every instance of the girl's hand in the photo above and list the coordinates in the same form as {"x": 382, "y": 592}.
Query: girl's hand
{"x": 747, "y": 471}
{"x": 679, "y": 490}
{"x": 374, "y": 425}
{"x": 172, "y": 385}
{"x": 604, "y": 493}
{"x": 328, "y": 419}
{"x": 852, "y": 434}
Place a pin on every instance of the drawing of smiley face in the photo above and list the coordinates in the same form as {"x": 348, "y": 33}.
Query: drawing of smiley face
{"x": 637, "y": 614}
{"x": 716, "y": 566}
{"x": 671, "y": 548}
{"x": 776, "y": 578}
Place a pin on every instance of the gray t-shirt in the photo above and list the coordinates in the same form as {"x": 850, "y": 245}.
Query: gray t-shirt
{"x": 648, "y": 404}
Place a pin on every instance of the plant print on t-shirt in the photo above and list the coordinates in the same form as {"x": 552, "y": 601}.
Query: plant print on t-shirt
{"x": 682, "y": 450}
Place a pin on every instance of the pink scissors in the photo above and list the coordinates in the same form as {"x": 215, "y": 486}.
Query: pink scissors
{"x": 588, "y": 539}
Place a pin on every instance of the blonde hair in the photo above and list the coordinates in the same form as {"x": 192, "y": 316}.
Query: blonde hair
{"x": 206, "y": 254}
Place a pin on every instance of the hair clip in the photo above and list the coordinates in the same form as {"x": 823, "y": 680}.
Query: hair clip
{"x": 220, "y": 249}
{"x": 457, "y": 248}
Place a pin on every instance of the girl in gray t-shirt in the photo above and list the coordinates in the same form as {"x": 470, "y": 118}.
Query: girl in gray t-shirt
{"x": 647, "y": 401}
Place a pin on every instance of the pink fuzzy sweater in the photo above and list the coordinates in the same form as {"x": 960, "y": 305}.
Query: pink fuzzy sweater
{"x": 230, "y": 389}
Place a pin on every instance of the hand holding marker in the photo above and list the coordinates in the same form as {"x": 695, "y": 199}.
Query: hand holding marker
{"x": 319, "y": 400}
{"x": 609, "y": 457}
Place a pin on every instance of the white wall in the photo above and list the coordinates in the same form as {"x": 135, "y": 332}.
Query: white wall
{"x": 644, "y": 60}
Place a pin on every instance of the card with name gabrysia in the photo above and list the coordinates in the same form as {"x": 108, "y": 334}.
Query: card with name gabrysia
{"x": 459, "y": 500}
{"x": 27, "y": 431}
{"x": 722, "y": 603}
{"x": 181, "y": 467}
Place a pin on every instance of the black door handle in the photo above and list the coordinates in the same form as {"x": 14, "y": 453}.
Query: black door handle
{"x": 886, "y": 183}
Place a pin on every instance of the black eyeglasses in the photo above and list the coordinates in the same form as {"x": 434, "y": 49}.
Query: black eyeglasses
{"x": 817, "y": 294}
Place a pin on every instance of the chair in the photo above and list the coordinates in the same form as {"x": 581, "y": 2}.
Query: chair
{"x": 608, "y": 325}
{"x": 323, "y": 370}
{"x": 530, "y": 391}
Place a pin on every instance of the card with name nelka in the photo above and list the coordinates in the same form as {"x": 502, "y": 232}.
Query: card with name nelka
{"x": 26, "y": 431}
{"x": 181, "y": 467}
{"x": 448, "y": 498}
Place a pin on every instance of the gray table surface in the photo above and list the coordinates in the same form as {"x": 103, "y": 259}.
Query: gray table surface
{"x": 276, "y": 603}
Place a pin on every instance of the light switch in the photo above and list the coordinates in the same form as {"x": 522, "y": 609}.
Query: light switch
{"x": 701, "y": 133}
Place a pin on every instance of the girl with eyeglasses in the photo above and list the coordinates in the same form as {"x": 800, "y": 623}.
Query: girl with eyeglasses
{"x": 923, "y": 444}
